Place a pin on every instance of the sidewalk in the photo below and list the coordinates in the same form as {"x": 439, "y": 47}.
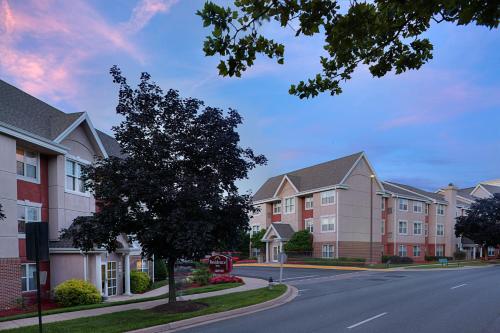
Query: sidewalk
{"x": 152, "y": 293}
{"x": 250, "y": 284}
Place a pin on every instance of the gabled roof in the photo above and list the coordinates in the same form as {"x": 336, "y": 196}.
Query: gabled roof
{"x": 284, "y": 231}
{"x": 491, "y": 188}
{"x": 314, "y": 177}
{"x": 466, "y": 193}
{"x": 417, "y": 192}
{"x": 110, "y": 144}
{"x": 399, "y": 191}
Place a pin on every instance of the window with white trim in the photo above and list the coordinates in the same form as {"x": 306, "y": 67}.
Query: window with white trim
{"x": 308, "y": 203}
{"x": 491, "y": 251}
{"x": 255, "y": 229}
{"x": 309, "y": 225}
{"x": 440, "y": 209}
{"x": 382, "y": 227}
{"x": 277, "y": 207}
{"x": 416, "y": 250}
{"x": 426, "y": 208}
{"x": 382, "y": 204}
{"x": 403, "y": 205}
{"x": 26, "y": 214}
{"x": 402, "y": 250}
{"x": 74, "y": 180}
{"x": 289, "y": 205}
{"x": 111, "y": 277}
{"x": 426, "y": 229}
{"x": 327, "y": 198}
{"x": 28, "y": 277}
{"x": 327, "y": 251}
{"x": 417, "y": 228}
{"x": 403, "y": 227}
{"x": 440, "y": 230}
{"x": 143, "y": 265}
{"x": 418, "y": 207}
{"x": 27, "y": 163}
{"x": 327, "y": 223}
{"x": 439, "y": 251}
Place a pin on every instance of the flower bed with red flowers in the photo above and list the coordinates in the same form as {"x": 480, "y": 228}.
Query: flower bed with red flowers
{"x": 225, "y": 279}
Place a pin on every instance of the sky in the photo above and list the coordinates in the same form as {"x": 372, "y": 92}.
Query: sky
{"x": 425, "y": 128}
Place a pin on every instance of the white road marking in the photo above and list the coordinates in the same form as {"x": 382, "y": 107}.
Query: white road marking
{"x": 460, "y": 285}
{"x": 300, "y": 290}
{"x": 367, "y": 320}
{"x": 300, "y": 277}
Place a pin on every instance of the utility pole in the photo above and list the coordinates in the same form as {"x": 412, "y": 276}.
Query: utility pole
{"x": 371, "y": 218}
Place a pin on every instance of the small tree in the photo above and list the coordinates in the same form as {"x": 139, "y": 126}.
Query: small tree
{"x": 256, "y": 240}
{"x": 301, "y": 241}
{"x": 482, "y": 222}
{"x": 160, "y": 270}
{"x": 174, "y": 188}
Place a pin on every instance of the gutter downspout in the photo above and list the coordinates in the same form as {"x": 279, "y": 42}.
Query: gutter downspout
{"x": 395, "y": 220}
{"x": 337, "y": 218}
{"x": 436, "y": 233}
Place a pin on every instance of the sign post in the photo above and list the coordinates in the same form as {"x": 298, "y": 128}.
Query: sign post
{"x": 37, "y": 248}
{"x": 282, "y": 257}
{"x": 220, "y": 264}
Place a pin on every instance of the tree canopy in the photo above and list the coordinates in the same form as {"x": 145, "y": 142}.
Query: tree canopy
{"x": 301, "y": 241}
{"x": 482, "y": 222}
{"x": 173, "y": 190}
{"x": 256, "y": 239}
{"x": 385, "y": 35}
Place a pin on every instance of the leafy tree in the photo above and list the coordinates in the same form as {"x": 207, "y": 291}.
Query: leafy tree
{"x": 482, "y": 222}
{"x": 256, "y": 240}
{"x": 160, "y": 270}
{"x": 243, "y": 245}
{"x": 301, "y": 241}
{"x": 2, "y": 214}
{"x": 385, "y": 35}
{"x": 174, "y": 188}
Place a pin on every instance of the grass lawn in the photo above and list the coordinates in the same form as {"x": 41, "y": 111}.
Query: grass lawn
{"x": 135, "y": 319}
{"x": 191, "y": 291}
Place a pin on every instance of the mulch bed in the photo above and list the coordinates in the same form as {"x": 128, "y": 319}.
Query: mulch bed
{"x": 46, "y": 305}
{"x": 179, "y": 307}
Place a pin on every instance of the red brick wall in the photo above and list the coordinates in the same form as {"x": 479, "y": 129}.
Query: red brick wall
{"x": 276, "y": 218}
{"x": 10, "y": 279}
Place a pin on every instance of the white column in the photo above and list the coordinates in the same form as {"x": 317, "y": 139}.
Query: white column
{"x": 85, "y": 267}
{"x": 267, "y": 252}
{"x": 474, "y": 252}
{"x": 127, "y": 275}
{"x": 480, "y": 252}
{"x": 98, "y": 277}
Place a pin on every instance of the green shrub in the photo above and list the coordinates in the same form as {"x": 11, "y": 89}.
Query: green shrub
{"x": 201, "y": 276}
{"x": 139, "y": 282}
{"x": 436, "y": 258}
{"x": 77, "y": 292}
{"x": 397, "y": 260}
{"x": 160, "y": 270}
{"x": 301, "y": 241}
{"x": 459, "y": 255}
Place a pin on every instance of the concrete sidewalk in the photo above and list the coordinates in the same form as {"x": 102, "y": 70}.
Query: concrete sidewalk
{"x": 250, "y": 284}
{"x": 152, "y": 293}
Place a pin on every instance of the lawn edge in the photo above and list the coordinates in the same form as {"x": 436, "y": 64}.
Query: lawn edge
{"x": 290, "y": 293}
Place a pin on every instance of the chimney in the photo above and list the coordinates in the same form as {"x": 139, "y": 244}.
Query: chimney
{"x": 450, "y": 195}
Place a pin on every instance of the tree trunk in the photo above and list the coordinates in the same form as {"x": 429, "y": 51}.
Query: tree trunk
{"x": 172, "y": 296}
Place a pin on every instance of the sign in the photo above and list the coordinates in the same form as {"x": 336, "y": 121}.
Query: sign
{"x": 282, "y": 257}
{"x": 37, "y": 235}
{"x": 220, "y": 264}
{"x": 443, "y": 261}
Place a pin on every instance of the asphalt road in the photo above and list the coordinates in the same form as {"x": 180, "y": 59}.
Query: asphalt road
{"x": 464, "y": 301}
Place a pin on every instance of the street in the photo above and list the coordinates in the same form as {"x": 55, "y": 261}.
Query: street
{"x": 442, "y": 301}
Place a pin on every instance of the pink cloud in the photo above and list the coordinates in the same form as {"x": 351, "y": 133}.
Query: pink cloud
{"x": 62, "y": 35}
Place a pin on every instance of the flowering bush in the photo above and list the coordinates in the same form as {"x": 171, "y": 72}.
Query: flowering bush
{"x": 225, "y": 279}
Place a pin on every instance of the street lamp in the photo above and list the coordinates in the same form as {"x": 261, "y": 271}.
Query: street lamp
{"x": 371, "y": 218}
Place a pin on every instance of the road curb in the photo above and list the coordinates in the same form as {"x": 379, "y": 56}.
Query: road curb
{"x": 287, "y": 296}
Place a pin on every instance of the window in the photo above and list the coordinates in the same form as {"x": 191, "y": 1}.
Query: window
{"x": 27, "y": 164}
{"x": 440, "y": 209}
{"x": 309, "y": 203}
{"x": 439, "y": 250}
{"x": 418, "y": 207}
{"x": 403, "y": 228}
{"x": 403, "y": 205}
{"x": 382, "y": 205}
{"x": 26, "y": 214}
{"x": 416, "y": 250}
{"x": 255, "y": 252}
{"x": 327, "y": 198}
{"x": 327, "y": 251}
{"x": 382, "y": 227}
{"x": 440, "y": 230}
{"x": 289, "y": 205}
{"x": 309, "y": 224}
{"x": 426, "y": 209}
{"x": 417, "y": 228}
{"x": 255, "y": 229}
{"x": 426, "y": 228}
{"x": 402, "y": 251}
{"x": 111, "y": 271}
{"x": 28, "y": 278}
{"x": 491, "y": 251}
{"x": 277, "y": 208}
{"x": 143, "y": 265}
{"x": 327, "y": 223}
{"x": 74, "y": 180}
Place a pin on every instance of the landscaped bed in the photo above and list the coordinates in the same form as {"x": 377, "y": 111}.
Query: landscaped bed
{"x": 136, "y": 319}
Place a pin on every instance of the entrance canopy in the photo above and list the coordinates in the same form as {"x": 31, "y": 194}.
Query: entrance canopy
{"x": 278, "y": 231}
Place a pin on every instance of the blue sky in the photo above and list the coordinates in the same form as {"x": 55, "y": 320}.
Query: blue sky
{"x": 426, "y": 128}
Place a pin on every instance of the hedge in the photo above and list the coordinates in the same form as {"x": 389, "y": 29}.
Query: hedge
{"x": 139, "y": 282}
{"x": 77, "y": 292}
